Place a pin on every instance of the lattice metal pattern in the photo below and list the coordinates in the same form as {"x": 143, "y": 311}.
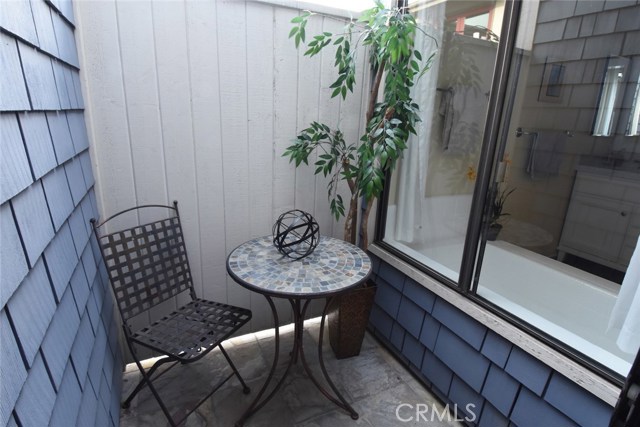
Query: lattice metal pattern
{"x": 192, "y": 330}
{"x": 147, "y": 265}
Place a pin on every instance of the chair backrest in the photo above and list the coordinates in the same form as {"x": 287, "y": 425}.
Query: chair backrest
{"x": 146, "y": 264}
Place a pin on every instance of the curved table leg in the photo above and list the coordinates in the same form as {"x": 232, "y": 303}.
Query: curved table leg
{"x": 337, "y": 399}
{"x": 256, "y": 405}
{"x": 298, "y": 328}
{"x": 298, "y": 347}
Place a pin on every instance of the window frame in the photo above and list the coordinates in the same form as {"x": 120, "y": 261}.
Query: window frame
{"x": 486, "y": 176}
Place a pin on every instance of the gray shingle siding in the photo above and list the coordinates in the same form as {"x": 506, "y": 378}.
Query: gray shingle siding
{"x": 464, "y": 363}
{"x": 59, "y": 344}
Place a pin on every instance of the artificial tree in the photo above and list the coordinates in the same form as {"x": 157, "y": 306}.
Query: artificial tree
{"x": 390, "y": 118}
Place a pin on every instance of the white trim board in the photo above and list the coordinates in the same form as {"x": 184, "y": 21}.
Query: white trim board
{"x": 314, "y": 7}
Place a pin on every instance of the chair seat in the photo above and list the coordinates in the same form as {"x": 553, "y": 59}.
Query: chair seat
{"x": 193, "y": 330}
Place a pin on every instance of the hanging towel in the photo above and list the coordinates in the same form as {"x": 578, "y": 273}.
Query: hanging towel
{"x": 545, "y": 153}
{"x": 625, "y": 317}
{"x": 446, "y": 112}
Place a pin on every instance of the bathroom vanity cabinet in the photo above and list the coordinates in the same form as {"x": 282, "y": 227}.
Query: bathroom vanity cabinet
{"x": 603, "y": 218}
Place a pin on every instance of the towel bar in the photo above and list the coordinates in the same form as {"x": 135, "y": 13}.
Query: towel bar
{"x": 520, "y": 132}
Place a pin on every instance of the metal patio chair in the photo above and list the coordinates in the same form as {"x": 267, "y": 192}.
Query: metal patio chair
{"x": 146, "y": 265}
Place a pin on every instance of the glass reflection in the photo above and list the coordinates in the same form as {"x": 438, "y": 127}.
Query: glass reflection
{"x": 611, "y": 96}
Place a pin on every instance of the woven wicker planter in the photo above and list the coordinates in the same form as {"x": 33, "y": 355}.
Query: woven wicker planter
{"x": 348, "y": 319}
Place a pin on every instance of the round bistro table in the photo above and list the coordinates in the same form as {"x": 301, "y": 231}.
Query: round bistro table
{"x": 333, "y": 268}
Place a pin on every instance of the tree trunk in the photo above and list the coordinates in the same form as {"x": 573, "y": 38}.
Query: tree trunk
{"x": 373, "y": 95}
{"x": 351, "y": 221}
{"x": 365, "y": 225}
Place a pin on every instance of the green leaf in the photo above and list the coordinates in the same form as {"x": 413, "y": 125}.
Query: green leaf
{"x": 390, "y": 143}
{"x": 335, "y": 92}
{"x": 338, "y": 82}
{"x": 383, "y": 158}
{"x": 369, "y": 189}
{"x": 417, "y": 55}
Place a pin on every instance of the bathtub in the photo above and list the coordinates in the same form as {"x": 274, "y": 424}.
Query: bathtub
{"x": 568, "y": 304}
{"x": 443, "y": 225}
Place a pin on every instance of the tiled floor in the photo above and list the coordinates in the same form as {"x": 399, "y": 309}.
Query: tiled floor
{"x": 374, "y": 383}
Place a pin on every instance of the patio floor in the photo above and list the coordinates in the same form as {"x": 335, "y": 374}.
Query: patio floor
{"x": 374, "y": 383}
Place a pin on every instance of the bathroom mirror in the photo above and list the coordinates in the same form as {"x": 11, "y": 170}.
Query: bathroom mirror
{"x": 633, "y": 127}
{"x": 611, "y": 94}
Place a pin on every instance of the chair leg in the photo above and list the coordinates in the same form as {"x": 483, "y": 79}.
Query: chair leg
{"x": 143, "y": 382}
{"x": 146, "y": 380}
{"x": 127, "y": 402}
{"x": 165, "y": 410}
{"x": 245, "y": 388}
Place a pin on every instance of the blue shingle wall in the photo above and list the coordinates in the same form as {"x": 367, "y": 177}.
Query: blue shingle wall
{"x": 465, "y": 363}
{"x": 492, "y": 417}
{"x": 500, "y": 389}
{"x": 410, "y": 316}
{"x": 61, "y": 364}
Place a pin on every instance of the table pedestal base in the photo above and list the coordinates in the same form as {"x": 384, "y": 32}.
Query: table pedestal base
{"x": 299, "y": 311}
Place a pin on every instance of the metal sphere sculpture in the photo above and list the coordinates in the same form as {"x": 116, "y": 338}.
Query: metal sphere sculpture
{"x": 296, "y": 234}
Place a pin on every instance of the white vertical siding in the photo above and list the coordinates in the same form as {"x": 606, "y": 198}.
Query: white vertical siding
{"x": 260, "y": 60}
{"x": 232, "y": 35}
{"x": 196, "y": 101}
{"x": 329, "y": 112}
{"x": 107, "y": 115}
{"x": 206, "y": 116}
{"x": 141, "y": 101}
{"x": 308, "y": 88}
{"x": 173, "y": 83}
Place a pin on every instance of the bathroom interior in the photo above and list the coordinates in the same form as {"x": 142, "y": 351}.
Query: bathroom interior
{"x": 565, "y": 198}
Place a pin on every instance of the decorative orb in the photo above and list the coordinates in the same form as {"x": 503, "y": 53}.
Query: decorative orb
{"x": 296, "y": 234}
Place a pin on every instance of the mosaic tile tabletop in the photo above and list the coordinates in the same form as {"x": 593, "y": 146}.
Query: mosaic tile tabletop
{"x": 334, "y": 266}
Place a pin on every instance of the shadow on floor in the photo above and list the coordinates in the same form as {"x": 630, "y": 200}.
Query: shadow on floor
{"x": 373, "y": 382}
